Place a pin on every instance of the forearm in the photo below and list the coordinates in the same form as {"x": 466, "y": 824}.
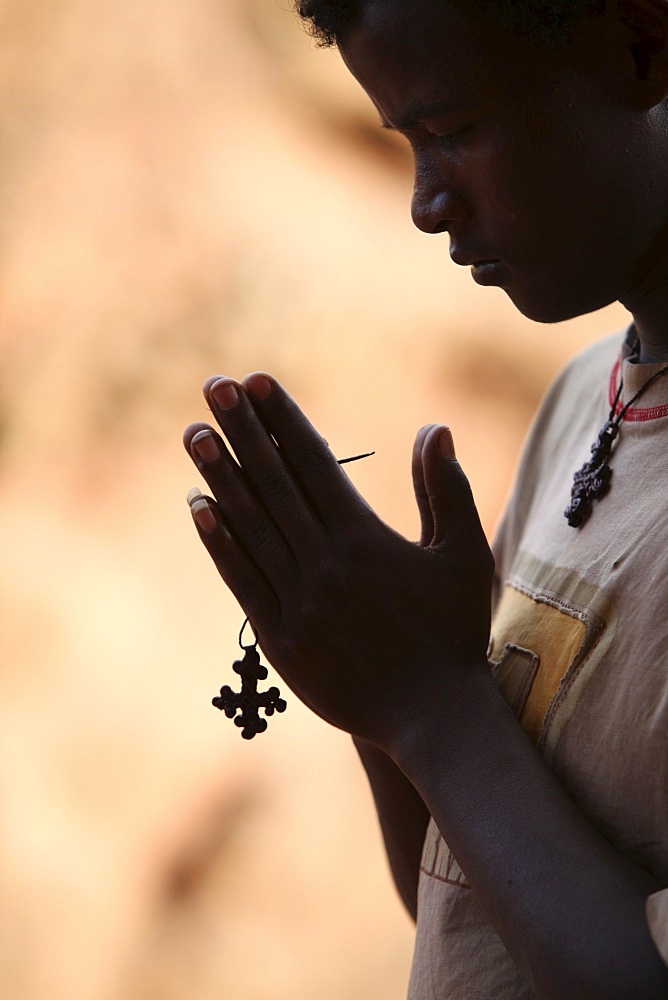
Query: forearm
{"x": 403, "y": 819}
{"x": 572, "y": 916}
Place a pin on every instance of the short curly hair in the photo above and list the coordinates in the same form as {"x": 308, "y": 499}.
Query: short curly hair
{"x": 541, "y": 21}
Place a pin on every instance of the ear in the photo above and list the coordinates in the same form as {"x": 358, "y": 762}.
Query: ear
{"x": 625, "y": 43}
{"x": 642, "y": 29}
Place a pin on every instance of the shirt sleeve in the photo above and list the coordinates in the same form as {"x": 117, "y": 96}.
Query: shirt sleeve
{"x": 657, "y": 918}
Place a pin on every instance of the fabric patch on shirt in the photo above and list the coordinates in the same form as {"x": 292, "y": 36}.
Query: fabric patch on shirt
{"x": 550, "y": 632}
{"x": 546, "y": 641}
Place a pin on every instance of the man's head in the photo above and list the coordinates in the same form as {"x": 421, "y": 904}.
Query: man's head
{"x": 545, "y": 161}
{"x": 547, "y": 22}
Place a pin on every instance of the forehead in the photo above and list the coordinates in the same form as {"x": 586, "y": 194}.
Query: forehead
{"x": 421, "y": 54}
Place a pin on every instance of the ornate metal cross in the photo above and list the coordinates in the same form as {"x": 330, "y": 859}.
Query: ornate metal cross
{"x": 249, "y": 699}
{"x": 592, "y": 481}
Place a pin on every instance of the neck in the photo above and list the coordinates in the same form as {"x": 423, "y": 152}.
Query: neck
{"x": 648, "y": 302}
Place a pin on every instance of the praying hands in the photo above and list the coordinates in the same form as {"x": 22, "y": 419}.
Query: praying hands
{"x": 368, "y": 629}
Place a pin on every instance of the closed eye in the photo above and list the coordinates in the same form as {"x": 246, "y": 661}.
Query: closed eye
{"x": 417, "y": 131}
{"x": 450, "y": 133}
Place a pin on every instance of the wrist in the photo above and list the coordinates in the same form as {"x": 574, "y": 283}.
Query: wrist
{"x": 458, "y": 723}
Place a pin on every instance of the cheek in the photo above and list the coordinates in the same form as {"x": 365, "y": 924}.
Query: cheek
{"x": 572, "y": 193}
{"x": 553, "y": 213}
{"x": 551, "y": 224}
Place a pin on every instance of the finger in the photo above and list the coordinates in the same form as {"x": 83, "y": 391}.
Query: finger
{"x": 420, "y": 489}
{"x": 245, "y": 516}
{"x": 260, "y": 603}
{"x": 451, "y": 500}
{"x": 241, "y": 574}
{"x": 263, "y": 464}
{"x": 321, "y": 478}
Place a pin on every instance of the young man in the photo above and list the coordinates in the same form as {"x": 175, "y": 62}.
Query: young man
{"x": 531, "y": 799}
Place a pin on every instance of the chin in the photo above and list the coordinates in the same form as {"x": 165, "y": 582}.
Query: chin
{"x": 553, "y": 309}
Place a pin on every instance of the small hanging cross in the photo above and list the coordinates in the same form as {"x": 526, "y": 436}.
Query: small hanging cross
{"x": 592, "y": 481}
{"x": 247, "y": 701}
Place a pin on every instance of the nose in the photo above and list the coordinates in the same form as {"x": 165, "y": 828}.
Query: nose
{"x": 436, "y": 203}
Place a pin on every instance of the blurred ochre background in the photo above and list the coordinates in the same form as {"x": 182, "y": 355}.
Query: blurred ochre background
{"x": 190, "y": 187}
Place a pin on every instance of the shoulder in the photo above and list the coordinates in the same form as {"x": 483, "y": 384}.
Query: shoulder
{"x": 578, "y": 396}
{"x": 573, "y": 409}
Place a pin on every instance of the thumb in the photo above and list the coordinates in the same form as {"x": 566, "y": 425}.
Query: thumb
{"x": 453, "y": 508}
{"x": 420, "y": 488}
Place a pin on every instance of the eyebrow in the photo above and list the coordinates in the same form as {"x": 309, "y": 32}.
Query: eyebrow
{"x": 417, "y": 114}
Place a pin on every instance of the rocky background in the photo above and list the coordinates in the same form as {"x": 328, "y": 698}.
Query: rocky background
{"x": 189, "y": 187}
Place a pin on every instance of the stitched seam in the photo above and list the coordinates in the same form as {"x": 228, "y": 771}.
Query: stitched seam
{"x": 569, "y": 679}
{"x": 636, "y": 413}
{"x": 443, "y": 878}
{"x": 529, "y": 677}
{"x": 523, "y": 692}
{"x": 549, "y": 598}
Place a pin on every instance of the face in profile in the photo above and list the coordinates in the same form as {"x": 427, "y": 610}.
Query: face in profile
{"x": 525, "y": 154}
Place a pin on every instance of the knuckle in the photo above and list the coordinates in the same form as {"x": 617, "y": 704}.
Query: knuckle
{"x": 313, "y": 461}
{"x": 275, "y": 486}
{"x": 249, "y": 592}
{"x": 321, "y": 594}
{"x": 250, "y": 596}
{"x": 329, "y": 583}
{"x": 260, "y": 537}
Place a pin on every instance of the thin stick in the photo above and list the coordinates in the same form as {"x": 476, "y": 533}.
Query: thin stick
{"x": 355, "y": 458}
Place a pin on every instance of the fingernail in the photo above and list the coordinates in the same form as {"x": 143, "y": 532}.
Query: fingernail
{"x": 259, "y": 387}
{"x": 192, "y": 495}
{"x": 205, "y": 446}
{"x": 225, "y": 394}
{"x": 446, "y": 444}
{"x": 203, "y": 516}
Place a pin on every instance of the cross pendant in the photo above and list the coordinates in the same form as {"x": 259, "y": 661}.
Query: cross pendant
{"x": 247, "y": 701}
{"x": 592, "y": 481}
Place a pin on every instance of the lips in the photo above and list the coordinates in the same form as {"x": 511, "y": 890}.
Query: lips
{"x": 485, "y": 263}
{"x": 464, "y": 259}
{"x": 489, "y": 272}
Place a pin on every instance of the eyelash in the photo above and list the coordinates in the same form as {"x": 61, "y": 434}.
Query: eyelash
{"x": 454, "y": 134}
{"x": 416, "y": 136}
